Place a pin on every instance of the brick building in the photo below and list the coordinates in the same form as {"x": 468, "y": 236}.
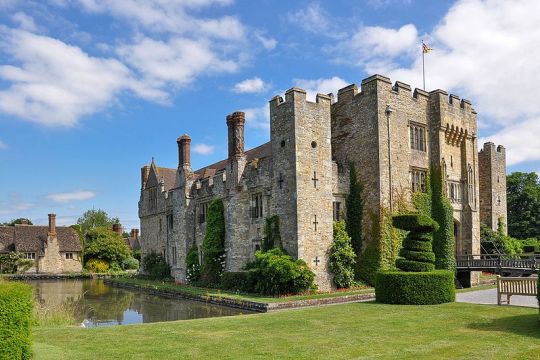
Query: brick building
{"x": 391, "y": 134}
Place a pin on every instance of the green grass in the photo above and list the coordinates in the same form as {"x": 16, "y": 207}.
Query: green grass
{"x": 349, "y": 331}
{"x": 193, "y": 290}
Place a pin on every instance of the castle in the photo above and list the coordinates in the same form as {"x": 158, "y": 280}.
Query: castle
{"x": 390, "y": 134}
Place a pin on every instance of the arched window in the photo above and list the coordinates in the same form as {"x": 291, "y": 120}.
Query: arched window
{"x": 470, "y": 182}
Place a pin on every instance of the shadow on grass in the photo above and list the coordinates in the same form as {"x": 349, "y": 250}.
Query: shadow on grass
{"x": 524, "y": 325}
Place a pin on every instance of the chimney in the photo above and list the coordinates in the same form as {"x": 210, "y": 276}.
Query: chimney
{"x": 184, "y": 155}
{"x": 145, "y": 173}
{"x": 135, "y": 233}
{"x": 235, "y": 126}
{"x": 117, "y": 228}
{"x": 52, "y": 224}
{"x": 24, "y": 222}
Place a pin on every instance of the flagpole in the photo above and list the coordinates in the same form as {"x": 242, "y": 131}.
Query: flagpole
{"x": 423, "y": 67}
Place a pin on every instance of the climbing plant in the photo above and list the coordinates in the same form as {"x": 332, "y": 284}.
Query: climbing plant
{"x": 354, "y": 210}
{"x": 342, "y": 257}
{"x": 193, "y": 267}
{"x": 272, "y": 236}
{"x": 213, "y": 246}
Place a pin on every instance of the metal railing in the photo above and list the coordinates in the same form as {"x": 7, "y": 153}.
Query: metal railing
{"x": 497, "y": 262}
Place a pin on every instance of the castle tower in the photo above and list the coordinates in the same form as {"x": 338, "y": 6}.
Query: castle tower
{"x": 492, "y": 169}
{"x": 300, "y": 134}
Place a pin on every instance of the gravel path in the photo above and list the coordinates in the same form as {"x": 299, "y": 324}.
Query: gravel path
{"x": 490, "y": 297}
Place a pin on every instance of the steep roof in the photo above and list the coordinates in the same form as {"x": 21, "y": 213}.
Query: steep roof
{"x": 168, "y": 175}
{"x": 6, "y": 238}
{"x": 29, "y": 238}
{"x": 258, "y": 152}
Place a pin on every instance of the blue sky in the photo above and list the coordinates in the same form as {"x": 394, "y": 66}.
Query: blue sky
{"x": 91, "y": 90}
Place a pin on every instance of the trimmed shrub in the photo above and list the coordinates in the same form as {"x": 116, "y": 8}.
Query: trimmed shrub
{"x": 213, "y": 246}
{"x": 155, "y": 266}
{"x": 16, "y": 302}
{"x": 342, "y": 257}
{"x": 415, "y": 288}
{"x": 276, "y": 273}
{"x": 106, "y": 245}
{"x": 420, "y": 258}
{"x": 238, "y": 281}
{"x": 354, "y": 213}
{"x": 193, "y": 267}
{"x": 97, "y": 266}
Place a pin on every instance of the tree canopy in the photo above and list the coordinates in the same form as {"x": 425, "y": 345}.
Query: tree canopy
{"x": 17, "y": 221}
{"x": 523, "y": 191}
{"x": 93, "y": 218}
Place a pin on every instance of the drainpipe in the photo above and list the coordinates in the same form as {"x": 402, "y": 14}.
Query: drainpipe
{"x": 389, "y": 111}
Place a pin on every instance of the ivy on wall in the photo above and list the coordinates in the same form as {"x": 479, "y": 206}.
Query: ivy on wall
{"x": 272, "y": 235}
{"x": 213, "y": 246}
{"x": 354, "y": 210}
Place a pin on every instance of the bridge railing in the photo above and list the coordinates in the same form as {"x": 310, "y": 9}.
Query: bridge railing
{"x": 495, "y": 261}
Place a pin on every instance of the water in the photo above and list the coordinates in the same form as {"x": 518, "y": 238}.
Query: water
{"x": 99, "y": 304}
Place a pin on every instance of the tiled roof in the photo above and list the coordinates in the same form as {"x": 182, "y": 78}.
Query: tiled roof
{"x": 29, "y": 238}
{"x": 259, "y": 152}
{"x": 6, "y": 238}
{"x": 168, "y": 175}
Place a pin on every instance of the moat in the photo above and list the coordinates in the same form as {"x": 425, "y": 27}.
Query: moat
{"x": 99, "y": 304}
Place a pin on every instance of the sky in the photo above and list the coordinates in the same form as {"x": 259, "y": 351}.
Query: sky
{"x": 91, "y": 90}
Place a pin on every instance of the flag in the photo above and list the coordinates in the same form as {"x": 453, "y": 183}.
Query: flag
{"x": 425, "y": 48}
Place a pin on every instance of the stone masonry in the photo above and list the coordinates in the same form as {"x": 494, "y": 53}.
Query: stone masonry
{"x": 391, "y": 134}
{"x": 492, "y": 169}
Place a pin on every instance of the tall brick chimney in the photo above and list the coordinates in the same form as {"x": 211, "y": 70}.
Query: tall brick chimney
{"x": 117, "y": 228}
{"x": 52, "y": 224}
{"x": 184, "y": 151}
{"x": 134, "y": 233}
{"x": 235, "y": 126}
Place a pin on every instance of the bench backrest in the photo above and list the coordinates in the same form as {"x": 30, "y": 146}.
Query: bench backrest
{"x": 517, "y": 286}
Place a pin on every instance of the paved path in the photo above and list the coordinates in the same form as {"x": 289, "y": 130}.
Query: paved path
{"x": 489, "y": 296}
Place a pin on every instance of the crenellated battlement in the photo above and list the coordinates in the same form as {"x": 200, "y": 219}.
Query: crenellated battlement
{"x": 493, "y": 150}
{"x": 296, "y": 94}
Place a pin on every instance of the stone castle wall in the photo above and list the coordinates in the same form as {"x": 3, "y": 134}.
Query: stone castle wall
{"x": 493, "y": 200}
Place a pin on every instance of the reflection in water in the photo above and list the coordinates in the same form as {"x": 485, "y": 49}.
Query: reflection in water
{"x": 98, "y": 304}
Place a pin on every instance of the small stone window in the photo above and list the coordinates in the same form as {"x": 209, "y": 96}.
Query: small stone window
{"x": 454, "y": 191}
{"x": 282, "y": 143}
{"x": 31, "y": 256}
{"x": 314, "y": 144}
{"x": 337, "y": 211}
{"x": 418, "y": 180}
{"x": 174, "y": 256}
{"x": 417, "y": 137}
{"x": 170, "y": 222}
{"x": 203, "y": 209}
{"x": 69, "y": 256}
{"x": 256, "y": 206}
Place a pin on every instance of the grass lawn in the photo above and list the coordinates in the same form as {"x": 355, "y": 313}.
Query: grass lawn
{"x": 348, "y": 331}
{"x": 171, "y": 286}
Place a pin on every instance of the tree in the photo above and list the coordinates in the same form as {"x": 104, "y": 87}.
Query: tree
{"x": 523, "y": 199}
{"x": 342, "y": 257}
{"x": 213, "y": 246}
{"x": 105, "y": 244}
{"x": 17, "y": 221}
{"x": 96, "y": 218}
{"x": 355, "y": 208}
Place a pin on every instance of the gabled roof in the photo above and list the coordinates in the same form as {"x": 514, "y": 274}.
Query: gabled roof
{"x": 258, "y": 152}
{"x": 168, "y": 175}
{"x": 30, "y": 238}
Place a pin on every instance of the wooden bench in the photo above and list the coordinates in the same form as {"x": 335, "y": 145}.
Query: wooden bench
{"x": 509, "y": 286}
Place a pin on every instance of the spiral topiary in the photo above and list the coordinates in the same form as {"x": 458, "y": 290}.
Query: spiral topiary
{"x": 416, "y": 254}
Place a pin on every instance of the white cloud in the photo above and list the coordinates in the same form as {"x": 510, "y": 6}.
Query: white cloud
{"x": 14, "y": 204}
{"x": 254, "y": 85}
{"x": 267, "y": 42}
{"x": 204, "y": 149}
{"x": 55, "y": 83}
{"x": 492, "y": 61}
{"x": 312, "y": 19}
{"x": 25, "y": 21}
{"x": 3, "y": 145}
{"x": 384, "y": 3}
{"x": 258, "y": 117}
{"x": 71, "y": 196}
{"x": 320, "y": 86}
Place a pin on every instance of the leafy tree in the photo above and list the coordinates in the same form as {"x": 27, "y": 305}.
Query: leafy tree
{"x": 355, "y": 207}
{"x": 17, "y": 221}
{"x": 105, "y": 244}
{"x": 523, "y": 191}
{"x": 213, "y": 246}
{"x": 13, "y": 262}
{"x": 342, "y": 257}
{"x": 155, "y": 266}
{"x": 92, "y": 219}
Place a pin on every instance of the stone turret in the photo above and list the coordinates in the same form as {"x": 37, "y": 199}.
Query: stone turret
{"x": 492, "y": 169}
{"x": 237, "y": 157}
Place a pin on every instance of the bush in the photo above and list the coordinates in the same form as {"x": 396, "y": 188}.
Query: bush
{"x": 155, "y": 266}
{"x": 213, "y": 246}
{"x": 238, "y": 281}
{"x": 342, "y": 257}
{"x": 272, "y": 236}
{"x": 137, "y": 254}
{"x": 495, "y": 242}
{"x": 418, "y": 257}
{"x": 106, "y": 245}
{"x": 415, "y": 288}
{"x": 130, "y": 264}
{"x": 16, "y": 302}
{"x": 14, "y": 262}
{"x": 97, "y": 266}
{"x": 193, "y": 268}
{"x": 276, "y": 273}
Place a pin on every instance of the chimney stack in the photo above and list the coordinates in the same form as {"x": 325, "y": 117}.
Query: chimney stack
{"x": 135, "y": 233}
{"x": 52, "y": 224}
{"x": 117, "y": 228}
{"x": 24, "y": 222}
{"x": 145, "y": 173}
{"x": 184, "y": 152}
{"x": 235, "y": 126}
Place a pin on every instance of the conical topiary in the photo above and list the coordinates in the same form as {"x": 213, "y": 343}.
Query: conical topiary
{"x": 417, "y": 253}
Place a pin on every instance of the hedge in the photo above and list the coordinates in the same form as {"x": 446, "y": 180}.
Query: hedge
{"x": 415, "y": 288}
{"x": 238, "y": 281}
{"x": 16, "y": 302}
